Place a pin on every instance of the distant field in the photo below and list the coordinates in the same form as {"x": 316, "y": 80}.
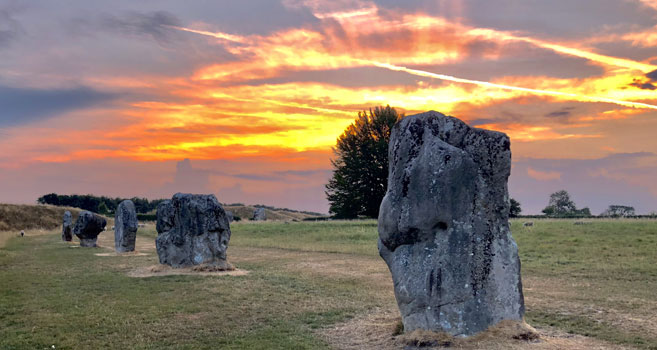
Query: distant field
{"x": 308, "y": 287}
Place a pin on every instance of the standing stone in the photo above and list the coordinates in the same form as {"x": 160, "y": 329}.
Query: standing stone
{"x": 67, "y": 226}
{"x": 125, "y": 227}
{"x": 192, "y": 230}
{"x": 230, "y": 216}
{"x": 443, "y": 226}
{"x": 259, "y": 214}
{"x": 88, "y": 227}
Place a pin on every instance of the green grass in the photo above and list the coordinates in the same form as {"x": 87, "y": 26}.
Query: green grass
{"x": 351, "y": 237}
{"x": 622, "y": 249}
{"x": 55, "y": 295}
{"x": 604, "y": 265}
{"x": 51, "y": 294}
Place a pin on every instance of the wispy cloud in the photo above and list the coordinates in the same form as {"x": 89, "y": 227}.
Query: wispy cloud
{"x": 21, "y": 106}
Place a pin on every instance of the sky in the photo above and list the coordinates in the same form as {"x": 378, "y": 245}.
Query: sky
{"x": 245, "y": 99}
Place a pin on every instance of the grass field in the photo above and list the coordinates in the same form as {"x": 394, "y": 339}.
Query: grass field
{"x": 305, "y": 280}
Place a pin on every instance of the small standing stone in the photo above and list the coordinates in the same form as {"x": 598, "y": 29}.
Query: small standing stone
{"x": 125, "y": 227}
{"x": 259, "y": 214}
{"x": 67, "y": 227}
{"x": 230, "y": 216}
{"x": 88, "y": 227}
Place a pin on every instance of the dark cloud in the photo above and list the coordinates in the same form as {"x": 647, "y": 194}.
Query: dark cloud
{"x": 247, "y": 17}
{"x": 652, "y": 75}
{"x": 646, "y": 84}
{"x": 564, "y": 112}
{"x": 156, "y": 25}
{"x": 10, "y": 28}
{"x": 643, "y": 85}
{"x": 483, "y": 121}
{"x": 22, "y": 106}
{"x": 134, "y": 42}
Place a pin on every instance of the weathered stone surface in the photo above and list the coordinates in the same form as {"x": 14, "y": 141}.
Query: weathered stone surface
{"x": 443, "y": 226}
{"x": 259, "y": 214}
{"x": 87, "y": 228}
{"x": 125, "y": 227}
{"x": 67, "y": 227}
{"x": 192, "y": 230}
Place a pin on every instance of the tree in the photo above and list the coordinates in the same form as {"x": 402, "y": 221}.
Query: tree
{"x": 360, "y": 174}
{"x": 514, "y": 209}
{"x": 103, "y": 209}
{"x": 617, "y": 211}
{"x": 562, "y": 206}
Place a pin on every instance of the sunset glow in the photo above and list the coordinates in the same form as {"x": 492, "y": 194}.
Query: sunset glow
{"x": 272, "y": 97}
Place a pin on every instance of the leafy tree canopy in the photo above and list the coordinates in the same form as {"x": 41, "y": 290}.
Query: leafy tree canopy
{"x": 360, "y": 174}
{"x": 617, "y": 211}
{"x": 561, "y": 206}
{"x": 514, "y": 209}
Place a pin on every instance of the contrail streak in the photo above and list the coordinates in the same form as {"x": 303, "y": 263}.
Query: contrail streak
{"x": 218, "y": 35}
{"x": 591, "y": 56}
{"x": 509, "y": 87}
{"x": 575, "y": 52}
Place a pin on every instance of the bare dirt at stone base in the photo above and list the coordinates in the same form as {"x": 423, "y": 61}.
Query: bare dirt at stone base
{"x": 376, "y": 332}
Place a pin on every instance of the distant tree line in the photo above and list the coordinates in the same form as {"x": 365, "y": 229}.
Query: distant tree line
{"x": 561, "y": 206}
{"x": 143, "y": 206}
{"x": 96, "y": 204}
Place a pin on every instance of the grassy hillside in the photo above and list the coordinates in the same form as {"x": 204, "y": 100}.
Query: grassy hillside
{"x": 16, "y": 217}
{"x": 246, "y": 212}
{"x": 317, "y": 285}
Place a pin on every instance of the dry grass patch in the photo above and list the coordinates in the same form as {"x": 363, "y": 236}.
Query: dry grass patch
{"x": 610, "y": 303}
{"x": 165, "y": 270}
{"x": 245, "y": 212}
{"x": 28, "y": 217}
{"x": 377, "y": 331}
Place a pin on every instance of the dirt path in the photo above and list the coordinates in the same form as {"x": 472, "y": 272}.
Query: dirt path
{"x": 143, "y": 245}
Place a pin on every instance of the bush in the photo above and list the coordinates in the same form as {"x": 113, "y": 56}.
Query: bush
{"x": 147, "y": 217}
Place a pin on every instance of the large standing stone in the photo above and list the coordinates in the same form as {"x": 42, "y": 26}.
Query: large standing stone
{"x": 67, "y": 227}
{"x": 125, "y": 227}
{"x": 259, "y": 214}
{"x": 88, "y": 227}
{"x": 443, "y": 226}
{"x": 192, "y": 230}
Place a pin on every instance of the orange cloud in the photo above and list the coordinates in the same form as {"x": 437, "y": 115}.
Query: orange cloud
{"x": 225, "y": 110}
{"x": 543, "y": 175}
